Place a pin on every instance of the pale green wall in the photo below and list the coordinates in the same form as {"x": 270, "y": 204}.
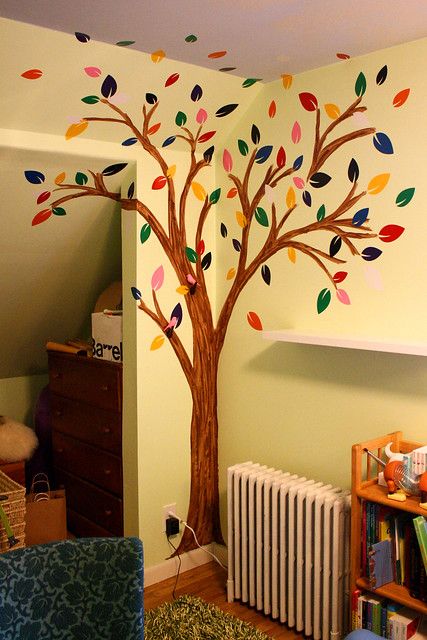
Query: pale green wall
{"x": 19, "y": 395}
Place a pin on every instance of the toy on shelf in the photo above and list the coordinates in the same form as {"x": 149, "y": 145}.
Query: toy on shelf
{"x": 404, "y": 474}
{"x": 423, "y": 490}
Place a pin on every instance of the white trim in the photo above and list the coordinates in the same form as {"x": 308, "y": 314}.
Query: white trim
{"x": 169, "y": 568}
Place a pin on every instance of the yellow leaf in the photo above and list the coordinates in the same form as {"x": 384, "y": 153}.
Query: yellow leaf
{"x": 76, "y": 129}
{"x": 378, "y": 183}
{"x": 60, "y": 178}
{"x": 157, "y": 56}
{"x": 241, "y": 219}
{"x": 231, "y": 273}
{"x": 332, "y": 110}
{"x": 198, "y": 191}
{"x": 287, "y": 80}
{"x": 157, "y": 343}
{"x": 183, "y": 290}
{"x": 171, "y": 171}
{"x": 292, "y": 255}
{"x": 290, "y": 198}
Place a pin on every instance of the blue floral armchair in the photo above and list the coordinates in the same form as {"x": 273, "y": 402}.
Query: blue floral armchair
{"x": 84, "y": 589}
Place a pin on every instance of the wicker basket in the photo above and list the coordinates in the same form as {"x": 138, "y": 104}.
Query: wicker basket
{"x": 14, "y": 508}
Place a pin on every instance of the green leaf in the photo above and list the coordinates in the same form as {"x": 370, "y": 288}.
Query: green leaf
{"x": 360, "y": 86}
{"x": 145, "y": 232}
{"x": 59, "y": 211}
{"x": 91, "y": 99}
{"x": 191, "y": 38}
{"x": 81, "y": 178}
{"x": 405, "y": 197}
{"x": 214, "y": 197}
{"x": 125, "y": 43}
{"x": 243, "y": 147}
{"x": 261, "y": 217}
{"x": 249, "y": 82}
{"x": 323, "y": 300}
{"x": 180, "y": 119}
{"x": 321, "y": 213}
{"x": 191, "y": 254}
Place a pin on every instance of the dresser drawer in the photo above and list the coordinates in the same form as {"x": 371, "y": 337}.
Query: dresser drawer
{"x": 96, "y": 382}
{"x": 82, "y": 527}
{"x": 98, "y": 467}
{"x": 95, "y": 426}
{"x": 98, "y": 507}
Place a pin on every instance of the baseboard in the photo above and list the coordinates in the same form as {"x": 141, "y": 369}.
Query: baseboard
{"x": 189, "y": 560}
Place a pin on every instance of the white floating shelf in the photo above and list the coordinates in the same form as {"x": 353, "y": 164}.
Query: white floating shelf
{"x": 348, "y": 342}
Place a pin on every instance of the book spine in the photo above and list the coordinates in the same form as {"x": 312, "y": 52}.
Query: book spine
{"x": 421, "y": 531}
{"x": 355, "y": 621}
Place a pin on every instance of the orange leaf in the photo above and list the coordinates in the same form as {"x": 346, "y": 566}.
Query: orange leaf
{"x": 217, "y": 54}
{"x": 377, "y": 184}
{"x": 60, "y": 178}
{"x": 232, "y": 193}
{"x": 157, "y": 56}
{"x": 171, "y": 171}
{"x": 401, "y": 97}
{"x": 183, "y": 290}
{"x": 154, "y": 128}
{"x": 292, "y": 254}
{"x": 290, "y": 198}
{"x": 272, "y": 109}
{"x": 32, "y": 74}
{"x": 241, "y": 219}
{"x": 76, "y": 129}
{"x": 254, "y": 321}
{"x": 41, "y": 216}
{"x": 231, "y": 273}
{"x": 332, "y": 110}
{"x": 157, "y": 343}
{"x": 287, "y": 80}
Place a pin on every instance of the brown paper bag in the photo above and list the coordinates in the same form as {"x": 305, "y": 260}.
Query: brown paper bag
{"x": 46, "y": 516}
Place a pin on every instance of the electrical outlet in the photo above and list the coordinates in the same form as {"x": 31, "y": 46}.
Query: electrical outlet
{"x": 166, "y": 509}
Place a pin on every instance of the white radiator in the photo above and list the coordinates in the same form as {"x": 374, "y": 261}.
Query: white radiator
{"x": 288, "y": 548}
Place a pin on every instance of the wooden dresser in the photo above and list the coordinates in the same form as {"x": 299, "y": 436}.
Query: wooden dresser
{"x": 86, "y": 407}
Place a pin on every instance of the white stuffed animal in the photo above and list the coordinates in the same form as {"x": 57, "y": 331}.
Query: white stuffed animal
{"x": 17, "y": 441}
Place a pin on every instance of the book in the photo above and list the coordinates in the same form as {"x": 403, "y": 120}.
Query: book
{"x": 404, "y": 624}
{"x": 420, "y": 525}
{"x": 380, "y": 564}
{"x": 355, "y": 622}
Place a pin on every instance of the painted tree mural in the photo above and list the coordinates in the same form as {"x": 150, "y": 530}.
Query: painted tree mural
{"x": 347, "y": 226}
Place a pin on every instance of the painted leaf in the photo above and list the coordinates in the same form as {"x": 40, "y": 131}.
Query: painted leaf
{"x": 360, "y": 86}
{"x": 206, "y": 136}
{"x": 112, "y": 169}
{"x": 201, "y": 116}
{"x": 266, "y": 274}
{"x": 177, "y": 313}
{"x": 59, "y": 211}
{"x": 405, "y": 197}
{"x": 157, "y": 56}
{"x": 136, "y": 293}
{"x": 236, "y": 244}
{"x": 157, "y": 343}
{"x": 290, "y": 198}
{"x": 382, "y": 75}
{"x": 154, "y": 128}
{"x": 340, "y": 276}
{"x": 401, "y": 97}
{"x": 263, "y": 154}
{"x": 214, "y": 196}
{"x": 200, "y": 249}
{"x": 335, "y": 246}
{"x": 298, "y": 163}
{"x": 217, "y": 54}
{"x": 227, "y": 69}
{"x": 35, "y": 177}
{"x": 255, "y": 134}
{"x": 261, "y": 217}
{"x": 109, "y": 87}
{"x": 296, "y": 132}
{"x": 323, "y": 300}
{"x": 82, "y": 37}
{"x": 378, "y": 183}
{"x": 371, "y": 253}
{"x": 172, "y": 79}
{"x": 231, "y": 273}
{"x": 81, "y": 178}
{"x": 41, "y": 216}
{"x": 131, "y": 190}
{"x": 287, "y": 80}
{"x": 196, "y": 93}
{"x": 243, "y": 147}
{"x": 191, "y": 38}
{"x": 390, "y": 232}
{"x": 321, "y": 212}
{"x": 92, "y": 72}
{"x": 180, "y": 119}
{"x": 308, "y": 101}
{"x": 382, "y": 143}
{"x": 343, "y": 296}
{"x": 159, "y": 182}
{"x": 32, "y": 74}
{"x": 241, "y": 219}
{"x": 272, "y": 109}
{"x": 129, "y": 142}
{"x": 232, "y": 192}
{"x": 249, "y": 82}
{"x": 254, "y": 321}
{"x": 60, "y": 178}
{"x": 298, "y": 182}
{"x": 281, "y": 158}
{"x": 292, "y": 254}
{"x": 360, "y": 217}
{"x": 157, "y": 278}
{"x": 76, "y": 129}
{"x": 191, "y": 254}
{"x": 207, "y": 261}
{"x": 223, "y": 230}
{"x": 319, "y": 179}
{"x": 332, "y": 110}
{"x": 125, "y": 43}
{"x": 306, "y": 198}
{"x": 90, "y": 99}
{"x": 227, "y": 160}
{"x": 198, "y": 191}
{"x": 150, "y": 98}
{"x": 225, "y": 110}
{"x": 169, "y": 141}
{"x": 342, "y": 56}
{"x": 353, "y": 171}
{"x": 145, "y": 232}
{"x": 208, "y": 154}
{"x": 183, "y": 290}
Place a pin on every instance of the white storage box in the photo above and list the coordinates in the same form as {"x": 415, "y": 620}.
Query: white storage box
{"x": 107, "y": 337}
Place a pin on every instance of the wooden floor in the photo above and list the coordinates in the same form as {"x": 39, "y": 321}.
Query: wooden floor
{"x": 209, "y": 582}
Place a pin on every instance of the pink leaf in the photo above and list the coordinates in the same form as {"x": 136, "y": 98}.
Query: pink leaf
{"x": 93, "y": 72}
{"x": 299, "y": 183}
{"x": 343, "y": 296}
{"x": 201, "y": 116}
{"x": 296, "y": 133}
{"x": 157, "y": 278}
{"x": 227, "y": 160}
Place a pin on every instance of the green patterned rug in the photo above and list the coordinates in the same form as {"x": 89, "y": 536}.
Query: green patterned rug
{"x": 190, "y": 618}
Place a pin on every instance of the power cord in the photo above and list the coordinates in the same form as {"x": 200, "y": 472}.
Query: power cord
{"x": 174, "y": 515}
{"x": 179, "y": 567}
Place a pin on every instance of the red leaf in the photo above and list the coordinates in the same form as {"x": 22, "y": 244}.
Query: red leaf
{"x": 32, "y": 74}
{"x": 340, "y": 276}
{"x": 281, "y": 158}
{"x": 272, "y": 109}
{"x": 254, "y": 321}
{"x": 159, "y": 183}
{"x": 154, "y": 128}
{"x": 172, "y": 79}
{"x": 401, "y": 97}
{"x": 390, "y": 232}
{"x": 206, "y": 136}
{"x": 45, "y": 195}
{"x": 308, "y": 101}
{"x": 232, "y": 193}
{"x": 343, "y": 56}
{"x": 200, "y": 249}
{"x": 41, "y": 216}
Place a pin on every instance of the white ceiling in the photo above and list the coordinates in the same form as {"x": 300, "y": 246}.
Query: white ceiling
{"x": 259, "y": 38}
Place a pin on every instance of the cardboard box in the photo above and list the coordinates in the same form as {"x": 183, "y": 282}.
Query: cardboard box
{"x": 107, "y": 337}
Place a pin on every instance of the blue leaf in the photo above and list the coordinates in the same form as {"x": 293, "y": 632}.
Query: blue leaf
{"x": 371, "y": 253}
{"x": 109, "y": 87}
{"x": 196, "y": 93}
{"x": 136, "y": 293}
{"x": 335, "y": 246}
{"x": 263, "y": 154}
{"x": 35, "y": 177}
{"x": 129, "y": 142}
{"x": 236, "y": 244}
{"x": 82, "y": 37}
{"x": 382, "y": 143}
{"x": 360, "y": 217}
{"x": 298, "y": 163}
{"x": 169, "y": 141}
{"x": 177, "y": 313}
{"x": 224, "y": 231}
{"x": 306, "y": 198}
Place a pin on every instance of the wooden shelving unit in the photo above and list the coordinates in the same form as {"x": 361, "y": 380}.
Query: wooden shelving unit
{"x": 365, "y": 487}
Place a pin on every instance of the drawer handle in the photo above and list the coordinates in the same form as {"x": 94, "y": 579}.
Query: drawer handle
{"x": 56, "y": 374}
{"x": 106, "y": 430}
{"x": 104, "y": 387}
{"x": 60, "y": 450}
{"x": 108, "y": 512}
{"x": 107, "y": 472}
{"x": 58, "y": 412}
